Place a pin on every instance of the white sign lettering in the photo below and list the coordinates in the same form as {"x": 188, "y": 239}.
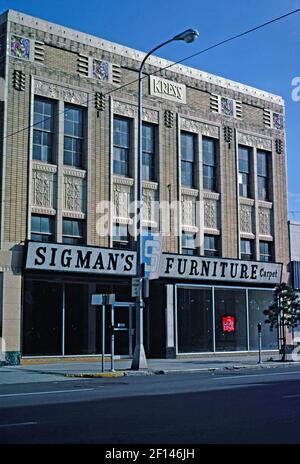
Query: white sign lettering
{"x": 93, "y": 260}
{"x": 70, "y": 258}
{"x": 200, "y": 268}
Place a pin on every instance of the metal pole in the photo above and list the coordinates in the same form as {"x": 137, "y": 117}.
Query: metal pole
{"x": 259, "y": 348}
{"x": 103, "y": 336}
{"x": 139, "y": 360}
{"x": 112, "y": 338}
{"x": 259, "y": 342}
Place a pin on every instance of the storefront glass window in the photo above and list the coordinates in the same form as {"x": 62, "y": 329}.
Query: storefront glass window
{"x": 231, "y": 322}
{"x": 194, "y": 319}
{"x": 42, "y": 321}
{"x": 259, "y": 300}
{"x": 82, "y": 328}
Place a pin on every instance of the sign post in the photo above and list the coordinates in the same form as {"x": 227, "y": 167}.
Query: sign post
{"x": 102, "y": 300}
{"x": 259, "y": 342}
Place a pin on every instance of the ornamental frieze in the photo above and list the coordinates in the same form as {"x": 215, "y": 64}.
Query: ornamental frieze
{"x": 58, "y": 92}
{"x": 255, "y": 141}
{"x": 199, "y": 127}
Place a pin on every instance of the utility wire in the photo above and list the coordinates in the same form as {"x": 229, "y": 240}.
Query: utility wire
{"x": 211, "y": 47}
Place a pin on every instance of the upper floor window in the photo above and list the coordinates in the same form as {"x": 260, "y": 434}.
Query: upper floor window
{"x": 73, "y": 233}
{"x": 211, "y": 245}
{"x": 121, "y": 236}
{"x": 187, "y": 159}
{"x": 73, "y": 136}
{"x": 148, "y": 138}
{"x": 43, "y": 130}
{"x": 265, "y": 252}
{"x": 188, "y": 243}
{"x": 209, "y": 150}
{"x": 42, "y": 228}
{"x": 121, "y": 146}
{"x": 246, "y": 249}
{"x": 262, "y": 175}
{"x": 244, "y": 171}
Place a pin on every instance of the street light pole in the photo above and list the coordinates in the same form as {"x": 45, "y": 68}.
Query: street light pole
{"x": 139, "y": 360}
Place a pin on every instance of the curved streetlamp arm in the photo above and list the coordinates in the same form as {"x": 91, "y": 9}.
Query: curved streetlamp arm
{"x": 151, "y": 52}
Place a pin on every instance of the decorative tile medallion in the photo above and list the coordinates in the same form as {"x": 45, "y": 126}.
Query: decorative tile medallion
{"x": 20, "y": 47}
{"x": 101, "y": 70}
{"x": 278, "y": 121}
{"x": 227, "y": 106}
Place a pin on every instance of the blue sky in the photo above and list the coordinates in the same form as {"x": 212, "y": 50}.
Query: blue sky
{"x": 267, "y": 59}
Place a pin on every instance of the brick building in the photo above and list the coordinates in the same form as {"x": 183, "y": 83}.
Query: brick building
{"x": 213, "y": 149}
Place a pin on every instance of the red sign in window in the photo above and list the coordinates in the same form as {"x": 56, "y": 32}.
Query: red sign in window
{"x": 228, "y": 323}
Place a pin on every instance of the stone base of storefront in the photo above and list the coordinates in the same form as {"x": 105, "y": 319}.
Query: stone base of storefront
{"x": 12, "y": 358}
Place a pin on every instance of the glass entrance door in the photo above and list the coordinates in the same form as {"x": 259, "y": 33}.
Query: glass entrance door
{"x": 124, "y": 324}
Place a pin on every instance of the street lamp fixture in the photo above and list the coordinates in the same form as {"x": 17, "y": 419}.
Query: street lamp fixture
{"x": 139, "y": 360}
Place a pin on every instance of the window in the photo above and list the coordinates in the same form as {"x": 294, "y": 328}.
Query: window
{"x": 43, "y": 130}
{"x": 244, "y": 171}
{"x": 209, "y": 148}
{"x": 73, "y": 231}
{"x": 187, "y": 159}
{"x": 42, "y": 228}
{"x": 73, "y": 136}
{"x": 121, "y": 146}
{"x": 148, "y": 136}
{"x": 121, "y": 236}
{"x": 265, "y": 252}
{"x": 188, "y": 243}
{"x": 246, "y": 249}
{"x": 262, "y": 175}
{"x": 211, "y": 245}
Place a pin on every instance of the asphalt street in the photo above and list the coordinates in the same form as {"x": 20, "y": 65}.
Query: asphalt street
{"x": 243, "y": 406}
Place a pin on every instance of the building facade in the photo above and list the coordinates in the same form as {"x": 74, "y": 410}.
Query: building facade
{"x": 214, "y": 185}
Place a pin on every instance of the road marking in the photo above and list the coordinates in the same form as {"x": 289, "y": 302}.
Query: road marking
{"x": 47, "y": 392}
{"x": 18, "y": 424}
{"x": 255, "y": 375}
{"x": 291, "y": 396}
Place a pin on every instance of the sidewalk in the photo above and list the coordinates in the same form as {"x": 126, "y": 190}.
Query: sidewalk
{"x": 58, "y": 371}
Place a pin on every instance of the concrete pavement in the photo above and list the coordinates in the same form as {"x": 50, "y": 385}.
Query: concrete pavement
{"x": 61, "y": 370}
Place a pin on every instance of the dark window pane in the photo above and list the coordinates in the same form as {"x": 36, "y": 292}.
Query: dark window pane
{"x": 259, "y": 300}
{"x": 211, "y": 245}
{"x": 121, "y": 146}
{"x": 246, "y": 249}
{"x": 73, "y": 140}
{"x": 230, "y": 303}
{"x": 187, "y": 147}
{"x": 43, "y": 130}
{"x": 194, "y": 315}
{"x": 42, "y": 319}
{"x": 209, "y": 149}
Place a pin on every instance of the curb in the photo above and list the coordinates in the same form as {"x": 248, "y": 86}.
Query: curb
{"x": 178, "y": 371}
{"x": 97, "y": 375}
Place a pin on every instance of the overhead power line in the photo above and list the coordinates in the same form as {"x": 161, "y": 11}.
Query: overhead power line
{"x": 211, "y": 47}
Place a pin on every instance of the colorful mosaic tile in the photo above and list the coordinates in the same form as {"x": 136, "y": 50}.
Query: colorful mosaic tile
{"x": 227, "y": 106}
{"x": 101, "y": 70}
{"x": 20, "y": 47}
{"x": 278, "y": 120}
